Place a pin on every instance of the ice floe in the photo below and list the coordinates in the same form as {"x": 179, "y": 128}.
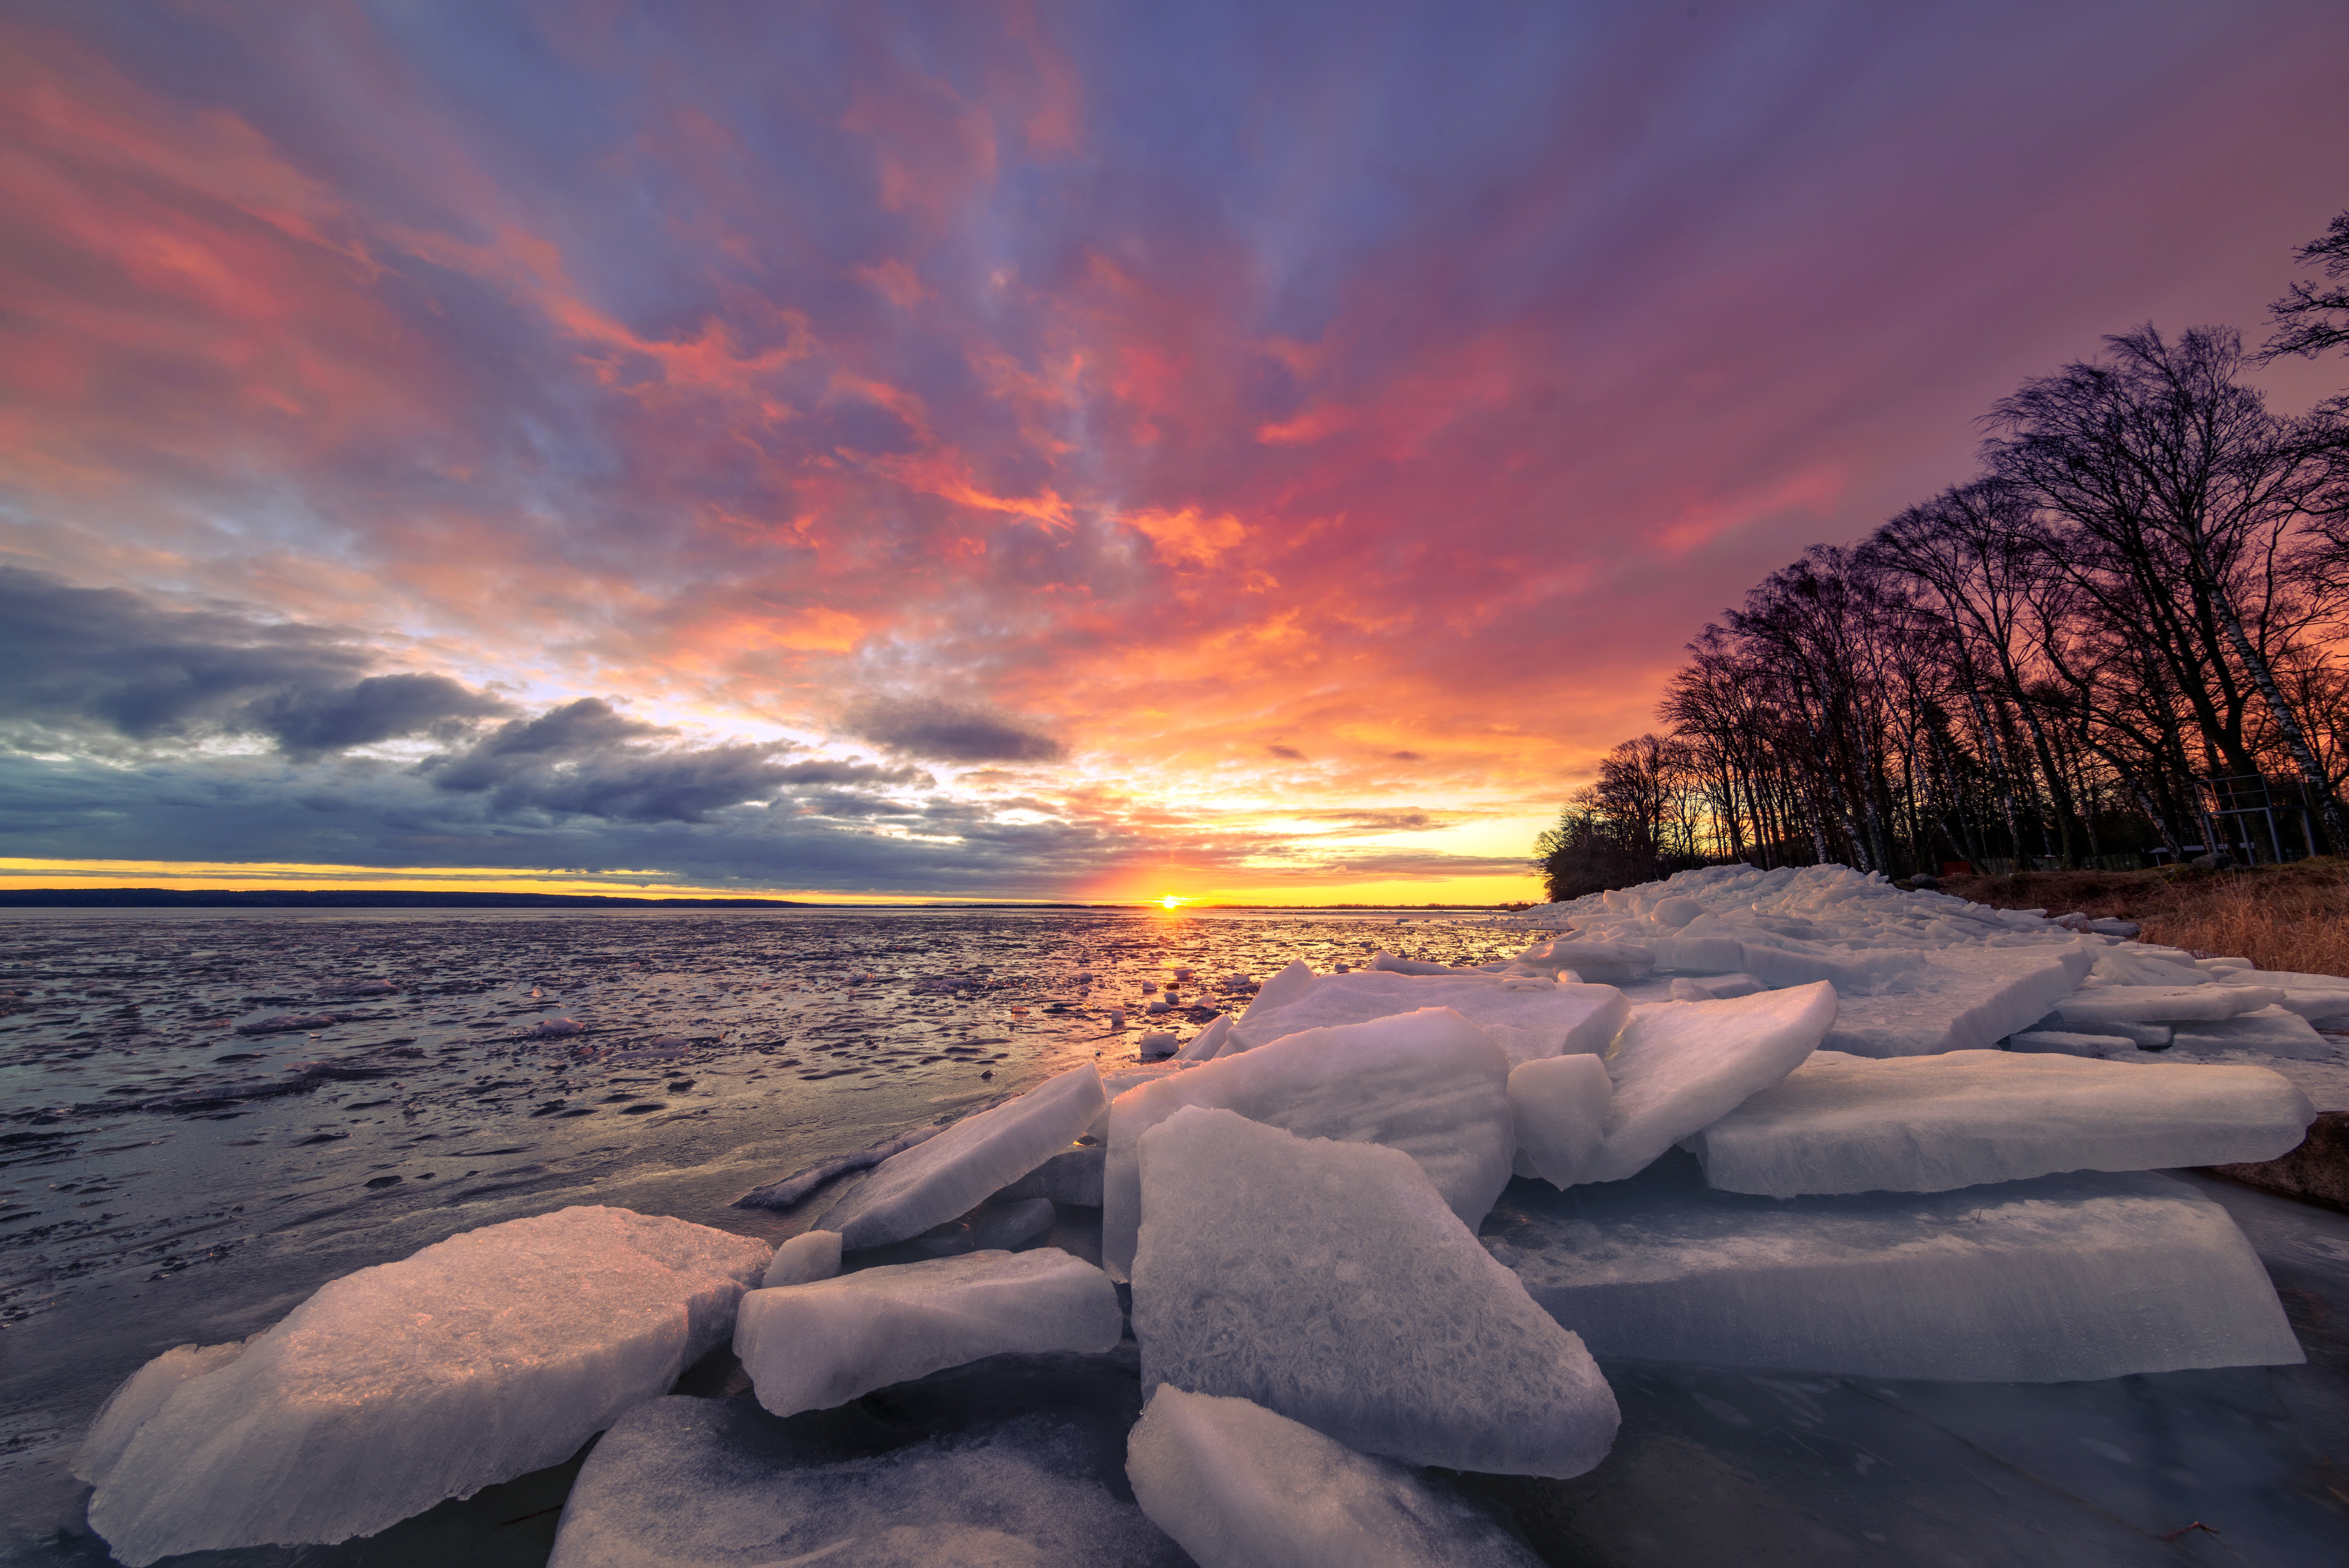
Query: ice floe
{"x": 496, "y": 1352}
{"x": 812, "y": 1346}
{"x": 2056, "y": 1279}
{"x": 1331, "y": 1282}
{"x": 1430, "y": 1084}
{"x": 1927, "y": 1124}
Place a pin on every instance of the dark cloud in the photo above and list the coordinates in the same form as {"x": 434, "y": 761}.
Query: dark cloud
{"x": 97, "y": 659}
{"x": 1290, "y": 753}
{"x": 587, "y": 759}
{"x": 945, "y": 732}
{"x": 380, "y": 708}
{"x": 1405, "y": 757}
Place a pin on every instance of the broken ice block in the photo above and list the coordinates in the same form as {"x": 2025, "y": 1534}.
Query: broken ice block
{"x": 1681, "y": 1066}
{"x": 1558, "y": 1106}
{"x": 944, "y": 1177}
{"x": 1527, "y": 1019}
{"x": 2161, "y": 1003}
{"x": 1430, "y": 1084}
{"x": 481, "y": 1357}
{"x": 810, "y": 1348}
{"x": 680, "y": 1481}
{"x": 1928, "y": 1124}
{"x": 1330, "y": 1282}
{"x": 1239, "y": 1486}
{"x": 1207, "y": 1042}
{"x": 810, "y": 1255}
{"x": 1281, "y": 988}
{"x": 2060, "y": 1279}
{"x": 2275, "y": 1031}
{"x": 1966, "y": 999}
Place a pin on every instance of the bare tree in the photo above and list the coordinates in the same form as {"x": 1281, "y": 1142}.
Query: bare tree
{"x": 2311, "y": 318}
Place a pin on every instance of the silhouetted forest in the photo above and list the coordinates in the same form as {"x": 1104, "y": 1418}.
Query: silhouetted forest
{"x": 2122, "y": 642}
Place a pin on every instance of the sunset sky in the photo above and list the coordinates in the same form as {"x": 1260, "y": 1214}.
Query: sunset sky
{"x": 1259, "y": 453}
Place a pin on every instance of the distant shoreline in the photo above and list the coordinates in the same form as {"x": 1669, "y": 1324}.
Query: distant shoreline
{"x": 365, "y": 899}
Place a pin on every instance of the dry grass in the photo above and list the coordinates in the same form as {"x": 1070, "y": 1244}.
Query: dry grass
{"x": 2292, "y": 917}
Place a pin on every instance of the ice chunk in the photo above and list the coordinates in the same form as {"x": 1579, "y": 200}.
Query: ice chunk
{"x": 1527, "y": 1018}
{"x": 129, "y": 1407}
{"x": 810, "y": 1348}
{"x": 2057, "y": 1280}
{"x": 936, "y": 1180}
{"x": 1240, "y": 1486}
{"x": 481, "y": 1357}
{"x": 680, "y": 1481}
{"x": 1680, "y": 1065}
{"x": 810, "y": 1255}
{"x": 1928, "y": 1124}
{"x": 2161, "y": 1003}
{"x": 2272, "y": 1030}
{"x": 1430, "y": 1084}
{"x": 1330, "y": 1282}
{"x": 1559, "y": 1105}
{"x": 1962, "y": 1000}
{"x": 1605, "y": 962}
{"x": 1204, "y": 1046}
{"x": 1073, "y": 1177}
{"x": 1281, "y": 988}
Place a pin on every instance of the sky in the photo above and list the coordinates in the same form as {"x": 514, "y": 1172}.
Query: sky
{"x": 1253, "y": 452}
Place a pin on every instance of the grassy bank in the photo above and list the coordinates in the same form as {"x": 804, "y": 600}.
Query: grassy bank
{"x": 2292, "y": 917}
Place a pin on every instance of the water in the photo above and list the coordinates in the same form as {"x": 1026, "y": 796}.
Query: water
{"x": 149, "y": 1198}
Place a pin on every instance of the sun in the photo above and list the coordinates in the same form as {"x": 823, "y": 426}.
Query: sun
{"x": 1172, "y": 902}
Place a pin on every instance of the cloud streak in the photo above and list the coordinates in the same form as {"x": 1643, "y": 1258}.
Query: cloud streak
{"x": 1126, "y": 425}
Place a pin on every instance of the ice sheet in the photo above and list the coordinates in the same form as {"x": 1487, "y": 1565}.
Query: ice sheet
{"x": 1330, "y": 1282}
{"x": 1928, "y": 1124}
{"x": 1681, "y": 1066}
{"x": 494, "y": 1353}
{"x": 1239, "y": 1486}
{"x": 934, "y": 1181}
{"x": 1526, "y": 1024}
{"x": 812, "y": 1346}
{"x": 2056, "y": 1279}
{"x": 1962, "y": 1000}
{"x": 1430, "y": 1084}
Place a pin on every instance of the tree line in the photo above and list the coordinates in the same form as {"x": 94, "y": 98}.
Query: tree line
{"x": 2129, "y": 624}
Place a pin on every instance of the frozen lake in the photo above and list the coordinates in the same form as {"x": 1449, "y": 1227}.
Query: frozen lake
{"x": 171, "y": 1175}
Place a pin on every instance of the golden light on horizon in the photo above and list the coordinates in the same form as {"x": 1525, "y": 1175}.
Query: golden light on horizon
{"x": 1171, "y": 902}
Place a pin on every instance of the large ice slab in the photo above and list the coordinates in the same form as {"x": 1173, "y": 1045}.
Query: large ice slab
{"x": 2060, "y": 1279}
{"x": 1527, "y": 1019}
{"x": 933, "y": 1181}
{"x": 481, "y": 1357}
{"x": 681, "y": 1483}
{"x": 2160, "y": 1003}
{"x": 1430, "y": 1084}
{"x": 1330, "y": 1281}
{"x": 812, "y": 1346}
{"x": 2273, "y": 1030}
{"x": 1559, "y": 1107}
{"x": 1239, "y": 1486}
{"x": 1681, "y": 1066}
{"x": 1928, "y": 1124}
{"x": 1962, "y": 1000}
